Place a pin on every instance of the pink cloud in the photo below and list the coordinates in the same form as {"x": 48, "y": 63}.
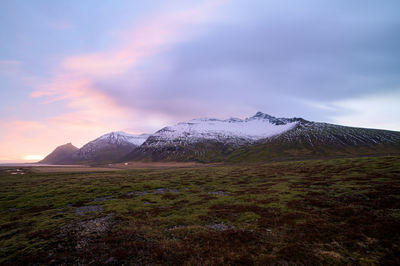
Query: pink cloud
{"x": 91, "y": 112}
{"x": 150, "y": 37}
{"x": 76, "y": 75}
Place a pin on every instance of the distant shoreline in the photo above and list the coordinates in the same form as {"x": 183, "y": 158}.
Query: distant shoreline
{"x": 38, "y": 164}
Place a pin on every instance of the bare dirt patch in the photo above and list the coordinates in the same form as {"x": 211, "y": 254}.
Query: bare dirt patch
{"x": 133, "y": 165}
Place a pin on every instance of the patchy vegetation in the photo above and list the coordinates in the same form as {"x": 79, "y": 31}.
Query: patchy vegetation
{"x": 311, "y": 212}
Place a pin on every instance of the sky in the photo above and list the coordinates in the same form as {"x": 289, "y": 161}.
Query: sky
{"x": 73, "y": 70}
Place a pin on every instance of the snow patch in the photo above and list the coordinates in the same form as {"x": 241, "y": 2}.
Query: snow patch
{"x": 120, "y": 137}
{"x": 250, "y": 129}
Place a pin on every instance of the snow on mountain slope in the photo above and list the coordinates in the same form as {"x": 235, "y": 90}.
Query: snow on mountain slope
{"x": 233, "y": 130}
{"x": 109, "y": 146}
{"x": 120, "y": 137}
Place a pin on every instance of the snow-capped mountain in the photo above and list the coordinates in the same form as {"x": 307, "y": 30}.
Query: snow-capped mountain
{"x": 120, "y": 138}
{"x": 234, "y": 130}
{"x": 261, "y": 137}
{"x": 109, "y": 147}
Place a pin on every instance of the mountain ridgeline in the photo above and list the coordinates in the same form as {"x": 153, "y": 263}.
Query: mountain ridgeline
{"x": 105, "y": 149}
{"x": 255, "y": 139}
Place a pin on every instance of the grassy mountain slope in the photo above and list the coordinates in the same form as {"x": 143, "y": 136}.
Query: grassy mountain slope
{"x": 105, "y": 154}
{"x": 206, "y": 151}
{"x": 319, "y": 140}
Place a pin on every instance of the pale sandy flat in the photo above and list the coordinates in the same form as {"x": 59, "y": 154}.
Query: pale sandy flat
{"x": 115, "y": 167}
{"x": 71, "y": 169}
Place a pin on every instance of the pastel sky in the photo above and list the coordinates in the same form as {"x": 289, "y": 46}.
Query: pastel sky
{"x": 73, "y": 70}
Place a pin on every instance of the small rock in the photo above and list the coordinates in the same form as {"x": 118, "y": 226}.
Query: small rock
{"x": 164, "y": 190}
{"x": 176, "y": 227}
{"x": 88, "y": 209}
{"x": 110, "y": 260}
{"x": 103, "y": 198}
{"x": 219, "y": 193}
{"x": 141, "y": 193}
{"x": 221, "y": 226}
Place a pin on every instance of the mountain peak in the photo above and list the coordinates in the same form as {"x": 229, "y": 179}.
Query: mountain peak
{"x": 114, "y": 133}
{"x": 270, "y": 118}
{"x": 69, "y": 144}
{"x": 262, "y": 115}
{"x": 276, "y": 120}
{"x": 120, "y": 137}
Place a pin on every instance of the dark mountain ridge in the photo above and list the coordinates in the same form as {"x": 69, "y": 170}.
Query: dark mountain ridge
{"x": 60, "y": 155}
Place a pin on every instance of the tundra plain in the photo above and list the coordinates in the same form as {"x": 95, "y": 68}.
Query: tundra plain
{"x": 332, "y": 211}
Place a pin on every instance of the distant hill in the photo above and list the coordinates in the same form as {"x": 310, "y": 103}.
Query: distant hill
{"x": 262, "y": 137}
{"x": 60, "y": 155}
{"x": 104, "y": 149}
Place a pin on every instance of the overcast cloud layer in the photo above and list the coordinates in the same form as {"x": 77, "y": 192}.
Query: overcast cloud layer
{"x": 73, "y": 70}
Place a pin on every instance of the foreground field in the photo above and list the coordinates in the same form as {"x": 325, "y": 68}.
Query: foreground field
{"x": 310, "y": 212}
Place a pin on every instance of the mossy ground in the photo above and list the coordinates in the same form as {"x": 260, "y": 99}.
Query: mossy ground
{"x": 313, "y": 212}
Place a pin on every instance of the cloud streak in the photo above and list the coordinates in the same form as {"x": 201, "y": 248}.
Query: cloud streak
{"x": 78, "y": 74}
{"x": 380, "y": 110}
